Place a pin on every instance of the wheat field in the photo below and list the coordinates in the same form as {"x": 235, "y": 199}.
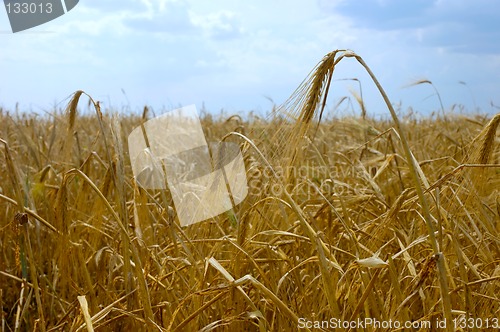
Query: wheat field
{"x": 347, "y": 219}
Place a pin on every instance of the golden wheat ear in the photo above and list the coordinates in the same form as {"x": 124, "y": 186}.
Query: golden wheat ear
{"x": 306, "y": 103}
{"x": 482, "y": 146}
{"x": 480, "y": 152}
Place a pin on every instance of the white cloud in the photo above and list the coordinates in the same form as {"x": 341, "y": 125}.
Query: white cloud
{"x": 221, "y": 25}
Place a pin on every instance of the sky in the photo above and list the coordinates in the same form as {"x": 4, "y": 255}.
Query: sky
{"x": 243, "y": 56}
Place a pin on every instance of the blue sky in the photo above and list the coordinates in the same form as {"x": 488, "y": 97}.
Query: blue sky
{"x": 234, "y": 55}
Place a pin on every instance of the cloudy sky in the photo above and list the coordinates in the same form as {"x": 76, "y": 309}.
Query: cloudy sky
{"x": 239, "y": 55}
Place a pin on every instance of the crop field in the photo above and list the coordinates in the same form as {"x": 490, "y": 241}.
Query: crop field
{"x": 349, "y": 222}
